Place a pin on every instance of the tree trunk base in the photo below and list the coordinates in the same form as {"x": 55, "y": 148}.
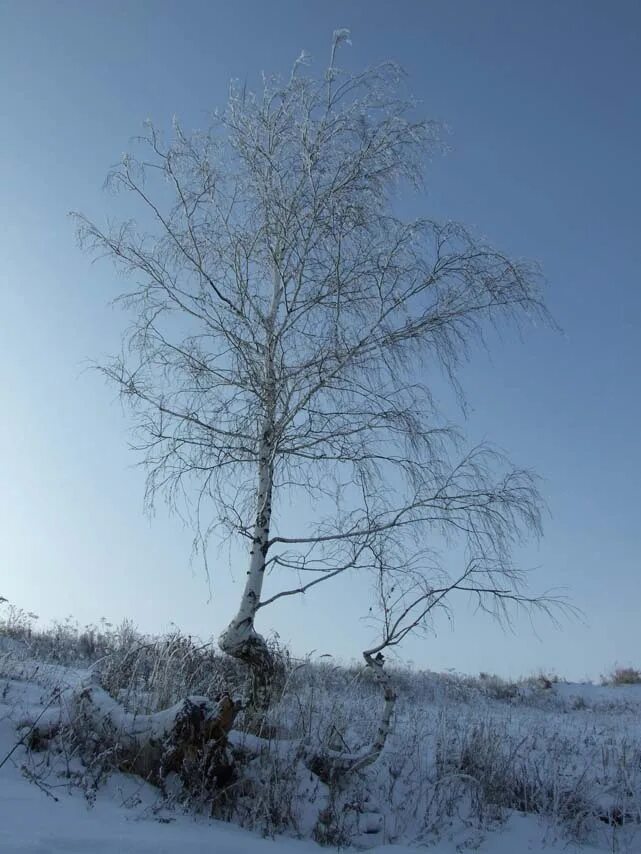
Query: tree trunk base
{"x": 266, "y": 676}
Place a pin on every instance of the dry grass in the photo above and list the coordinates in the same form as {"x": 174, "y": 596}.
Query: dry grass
{"x": 623, "y": 676}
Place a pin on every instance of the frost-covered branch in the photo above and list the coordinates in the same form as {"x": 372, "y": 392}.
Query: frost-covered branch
{"x": 287, "y": 325}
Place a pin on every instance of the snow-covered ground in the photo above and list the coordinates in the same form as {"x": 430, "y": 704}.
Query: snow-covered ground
{"x": 33, "y": 823}
{"x": 595, "y": 731}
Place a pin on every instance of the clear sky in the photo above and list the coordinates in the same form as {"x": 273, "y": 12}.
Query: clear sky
{"x": 543, "y": 103}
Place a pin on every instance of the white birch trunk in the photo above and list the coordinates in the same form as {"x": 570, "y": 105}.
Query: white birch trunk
{"x": 240, "y": 639}
{"x": 332, "y": 765}
{"x": 385, "y": 725}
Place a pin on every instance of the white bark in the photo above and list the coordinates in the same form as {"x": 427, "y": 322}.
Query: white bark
{"x": 240, "y": 639}
{"x": 331, "y": 764}
{"x": 385, "y": 726}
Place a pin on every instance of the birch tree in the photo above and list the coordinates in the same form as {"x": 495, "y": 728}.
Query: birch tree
{"x": 288, "y": 326}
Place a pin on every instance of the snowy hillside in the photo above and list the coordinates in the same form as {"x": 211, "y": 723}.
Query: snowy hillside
{"x": 473, "y": 763}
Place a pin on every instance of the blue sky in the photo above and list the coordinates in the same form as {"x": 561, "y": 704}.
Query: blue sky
{"x": 542, "y": 102}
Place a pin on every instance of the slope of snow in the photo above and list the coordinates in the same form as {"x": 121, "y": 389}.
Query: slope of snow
{"x": 125, "y": 816}
{"x": 32, "y": 823}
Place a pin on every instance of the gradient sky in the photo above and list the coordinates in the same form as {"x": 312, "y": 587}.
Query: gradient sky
{"x": 543, "y": 103}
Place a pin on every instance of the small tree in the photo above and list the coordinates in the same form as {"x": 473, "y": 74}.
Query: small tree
{"x": 287, "y": 325}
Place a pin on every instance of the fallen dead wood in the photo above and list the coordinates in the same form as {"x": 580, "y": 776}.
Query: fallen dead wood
{"x": 191, "y": 733}
{"x": 193, "y": 738}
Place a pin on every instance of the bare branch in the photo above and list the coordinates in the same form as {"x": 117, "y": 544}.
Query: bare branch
{"x": 287, "y": 325}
